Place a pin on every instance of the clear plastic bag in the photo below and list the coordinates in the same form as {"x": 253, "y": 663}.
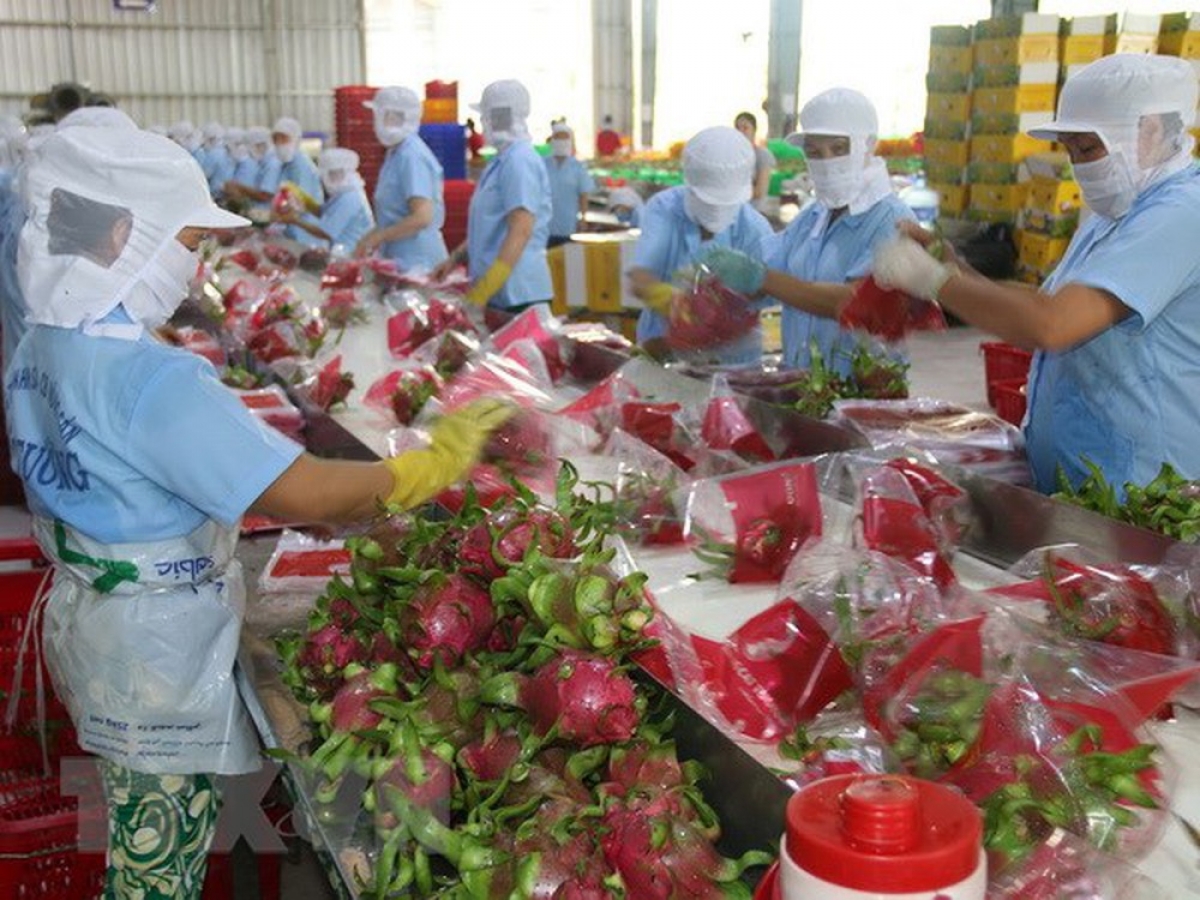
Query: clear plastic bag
{"x": 538, "y": 326}
{"x": 889, "y": 314}
{"x": 648, "y": 491}
{"x": 726, "y": 427}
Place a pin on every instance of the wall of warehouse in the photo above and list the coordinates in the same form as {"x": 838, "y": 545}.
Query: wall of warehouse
{"x": 241, "y": 62}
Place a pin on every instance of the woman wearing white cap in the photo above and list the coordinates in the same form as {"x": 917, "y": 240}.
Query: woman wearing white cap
{"x": 509, "y": 217}
{"x": 138, "y": 465}
{"x": 1116, "y": 376}
{"x": 570, "y": 184}
{"x": 626, "y": 204}
{"x": 810, "y": 265}
{"x": 711, "y": 208}
{"x": 345, "y": 215}
{"x": 409, "y": 203}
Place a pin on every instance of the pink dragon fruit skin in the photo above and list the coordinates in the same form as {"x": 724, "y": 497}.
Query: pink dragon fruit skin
{"x": 661, "y": 859}
{"x": 447, "y": 619}
{"x": 590, "y": 700}
{"x": 502, "y": 539}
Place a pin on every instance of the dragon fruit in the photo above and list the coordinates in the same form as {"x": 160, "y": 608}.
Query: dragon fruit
{"x": 491, "y": 756}
{"x": 411, "y": 774}
{"x": 331, "y": 385}
{"x": 453, "y": 351}
{"x": 586, "y": 698}
{"x": 709, "y": 315}
{"x": 586, "y": 607}
{"x": 522, "y": 445}
{"x": 413, "y": 390}
{"x": 350, "y": 712}
{"x": 341, "y": 308}
{"x": 317, "y": 665}
{"x": 341, "y": 274}
{"x": 503, "y": 539}
{"x": 446, "y": 619}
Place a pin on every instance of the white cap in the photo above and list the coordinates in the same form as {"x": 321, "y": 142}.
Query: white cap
{"x": 718, "y": 166}
{"x": 508, "y": 93}
{"x": 334, "y": 159}
{"x": 624, "y": 196}
{"x": 1114, "y": 92}
{"x": 97, "y": 117}
{"x": 78, "y": 182}
{"x": 258, "y": 134}
{"x": 838, "y": 112}
{"x": 288, "y": 126}
{"x": 400, "y": 99}
{"x": 181, "y": 131}
{"x": 213, "y": 131}
{"x": 562, "y": 129}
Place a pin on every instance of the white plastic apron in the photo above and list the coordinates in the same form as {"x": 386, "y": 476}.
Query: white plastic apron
{"x": 140, "y": 640}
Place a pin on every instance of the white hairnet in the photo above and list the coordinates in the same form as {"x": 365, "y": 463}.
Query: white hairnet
{"x": 258, "y": 134}
{"x": 181, "y": 131}
{"x": 234, "y": 135}
{"x": 840, "y": 181}
{"x": 85, "y": 189}
{"x": 718, "y": 166}
{"x": 338, "y": 159}
{"x": 286, "y": 125}
{"x": 213, "y": 131}
{"x": 624, "y": 196}
{"x": 13, "y": 141}
{"x": 399, "y": 99}
{"x": 838, "y": 112}
{"x": 562, "y": 129}
{"x": 97, "y": 117}
{"x": 504, "y": 111}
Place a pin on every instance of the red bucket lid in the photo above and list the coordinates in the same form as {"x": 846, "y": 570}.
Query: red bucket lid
{"x": 888, "y": 834}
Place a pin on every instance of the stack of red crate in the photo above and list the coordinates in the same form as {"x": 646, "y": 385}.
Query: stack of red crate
{"x": 354, "y": 126}
{"x": 458, "y": 198}
{"x": 1006, "y": 369}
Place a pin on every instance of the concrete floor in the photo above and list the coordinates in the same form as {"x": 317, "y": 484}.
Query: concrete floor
{"x": 946, "y": 365}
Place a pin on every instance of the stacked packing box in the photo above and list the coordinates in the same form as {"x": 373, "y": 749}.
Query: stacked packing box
{"x": 1179, "y": 36}
{"x": 1084, "y": 39}
{"x": 1049, "y": 216}
{"x": 948, "y": 116}
{"x": 1015, "y": 86}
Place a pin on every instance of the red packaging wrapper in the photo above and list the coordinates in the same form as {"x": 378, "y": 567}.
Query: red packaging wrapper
{"x": 538, "y": 326}
{"x": 279, "y": 305}
{"x": 889, "y": 314}
{"x": 418, "y": 320}
{"x": 726, "y": 426}
{"x": 341, "y": 274}
{"x": 647, "y": 492}
{"x": 280, "y": 256}
{"x": 600, "y": 408}
{"x": 275, "y": 342}
{"x": 523, "y": 447}
{"x": 199, "y": 342}
{"x": 489, "y": 483}
{"x": 749, "y": 525}
{"x": 303, "y": 564}
{"x": 893, "y": 521}
{"x": 328, "y": 386}
{"x": 403, "y": 394}
{"x": 341, "y": 307}
{"x": 775, "y": 672}
{"x": 709, "y": 315}
{"x": 659, "y": 425}
{"x": 244, "y": 258}
{"x": 493, "y": 376}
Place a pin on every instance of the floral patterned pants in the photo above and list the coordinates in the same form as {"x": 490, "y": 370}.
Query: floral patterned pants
{"x": 159, "y": 830}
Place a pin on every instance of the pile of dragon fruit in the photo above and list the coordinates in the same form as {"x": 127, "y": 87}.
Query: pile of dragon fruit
{"x": 473, "y": 687}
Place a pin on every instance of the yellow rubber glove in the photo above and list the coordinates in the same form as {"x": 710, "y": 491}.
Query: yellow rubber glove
{"x": 456, "y": 440}
{"x": 493, "y": 279}
{"x": 658, "y": 298}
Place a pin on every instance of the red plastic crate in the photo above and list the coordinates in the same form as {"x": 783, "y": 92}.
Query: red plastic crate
{"x": 1010, "y": 399}
{"x": 1003, "y": 362}
{"x": 39, "y": 845}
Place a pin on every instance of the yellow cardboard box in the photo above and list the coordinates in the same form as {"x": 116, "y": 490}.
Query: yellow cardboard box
{"x": 948, "y": 58}
{"x": 1016, "y": 51}
{"x": 1130, "y": 43}
{"x": 945, "y": 129}
{"x": 1025, "y": 98}
{"x": 558, "y": 280}
{"x": 948, "y": 107}
{"x": 1014, "y": 26}
{"x": 1007, "y": 123}
{"x": 1052, "y": 226}
{"x": 1053, "y": 197}
{"x": 1010, "y": 76}
{"x": 1089, "y": 25}
{"x": 950, "y": 35}
{"x": 949, "y": 153}
{"x": 1040, "y": 252}
{"x": 1006, "y": 198}
{"x": 1081, "y": 48}
{"x": 1004, "y": 148}
{"x": 602, "y": 268}
{"x": 952, "y": 198}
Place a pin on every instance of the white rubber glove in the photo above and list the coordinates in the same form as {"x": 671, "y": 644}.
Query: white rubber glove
{"x": 903, "y": 264}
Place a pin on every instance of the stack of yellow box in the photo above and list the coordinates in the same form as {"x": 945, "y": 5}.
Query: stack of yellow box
{"x": 1083, "y": 40}
{"x": 1049, "y": 215}
{"x": 948, "y": 116}
{"x": 1015, "y": 85}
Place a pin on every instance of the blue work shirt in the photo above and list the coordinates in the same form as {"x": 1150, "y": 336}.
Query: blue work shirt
{"x": 410, "y": 170}
{"x": 514, "y": 179}
{"x": 12, "y": 300}
{"x": 133, "y": 440}
{"x": 670, "y": 240}
{"x": 346, "y": 217}
{"x": 302, "y": 172}
{"x": 569, "y": 179}
{"x": 1129, "y": 398}
{"x": 268, "y": 174}
{"x": 220, "y": 170}
{"x": 246, "y": 171}
{"x": 813, "y": 249}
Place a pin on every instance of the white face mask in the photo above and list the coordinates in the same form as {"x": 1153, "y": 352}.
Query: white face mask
{"x": 238, "y": 153}
{"x": 712, "y": 218}
{"x": 286, "y": 152}
{"x": 259, "y": 151}
{"x": 389, "y": 136}
{"x": 836, "y": 181}
{"x": 162, "y": 286}
{"x": 1106, "y": 184}
{"x": 561, "y": 146}
{"x": 337, "y": 182}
